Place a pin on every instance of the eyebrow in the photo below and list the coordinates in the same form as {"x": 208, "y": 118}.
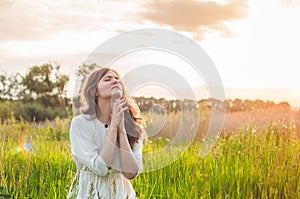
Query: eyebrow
{"x": 111, "y": 76}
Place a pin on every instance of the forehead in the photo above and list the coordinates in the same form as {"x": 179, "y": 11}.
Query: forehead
{"x": 110, "y": 74}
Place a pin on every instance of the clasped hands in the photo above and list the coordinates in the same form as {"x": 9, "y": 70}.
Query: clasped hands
{"x": 119, "y": 105}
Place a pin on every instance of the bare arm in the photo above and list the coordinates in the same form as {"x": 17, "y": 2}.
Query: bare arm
{"x": 108, "y": 149}
{"x": 129, "y": 164}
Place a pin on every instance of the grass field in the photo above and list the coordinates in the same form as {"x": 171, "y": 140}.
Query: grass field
{"x": 254, "y": 162}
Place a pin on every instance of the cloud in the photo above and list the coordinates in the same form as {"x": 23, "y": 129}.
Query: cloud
{"x": 26, "y": 20}
{"x": 38, "y": 20}
{"x": 289, "y": 3}
{"x": 197, "y": 17}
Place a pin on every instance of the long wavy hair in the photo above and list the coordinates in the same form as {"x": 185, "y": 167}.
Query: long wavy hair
{"x": 134, "y": 123}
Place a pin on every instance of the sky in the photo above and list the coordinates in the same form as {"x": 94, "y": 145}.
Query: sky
{"x": 254, "y": 44}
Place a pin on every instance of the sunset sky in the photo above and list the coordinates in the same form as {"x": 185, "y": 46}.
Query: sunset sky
{"x": 254, "y": 44}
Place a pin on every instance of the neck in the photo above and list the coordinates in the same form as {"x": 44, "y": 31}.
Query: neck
{"x": 104, "y": 111}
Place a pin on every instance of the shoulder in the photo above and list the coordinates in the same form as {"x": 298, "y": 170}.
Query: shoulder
{"x": 82, "y": 125}
{"x": 82, "y": 120}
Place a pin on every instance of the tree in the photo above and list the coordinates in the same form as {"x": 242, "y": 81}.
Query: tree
{"x": 44, "y": 83}
{"x": 284, "y": 105}
{"x": 37, "y": 81}
{"x": 237, "y": 105}
{"x": 85, "y": 69}
{"x": 3, "y": 86}
{"x": 10, "y": 86}
{"x": 82, "y": 73}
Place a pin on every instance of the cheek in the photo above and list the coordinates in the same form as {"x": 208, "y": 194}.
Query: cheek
{"x": 102, "y": 88}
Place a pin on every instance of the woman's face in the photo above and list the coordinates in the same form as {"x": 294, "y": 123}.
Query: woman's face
{"x": 109, "y": 86}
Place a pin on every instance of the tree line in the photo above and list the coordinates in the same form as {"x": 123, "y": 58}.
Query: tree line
{"x": 41, "y": 93}
{"x": 35, "y": 96}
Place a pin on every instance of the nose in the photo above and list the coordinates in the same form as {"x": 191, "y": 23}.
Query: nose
{"x": 116, "y": 81}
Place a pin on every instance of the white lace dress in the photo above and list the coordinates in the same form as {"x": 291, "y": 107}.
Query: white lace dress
{"x": 93, "y": 178}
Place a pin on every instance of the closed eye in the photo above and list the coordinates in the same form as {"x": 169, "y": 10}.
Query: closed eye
{"x": 110, "y": 77}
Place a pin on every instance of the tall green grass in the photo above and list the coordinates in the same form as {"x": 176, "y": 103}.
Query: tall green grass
{"x": 251, "y": 163}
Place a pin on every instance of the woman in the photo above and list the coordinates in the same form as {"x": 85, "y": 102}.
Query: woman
{"x": 106, "y": 139}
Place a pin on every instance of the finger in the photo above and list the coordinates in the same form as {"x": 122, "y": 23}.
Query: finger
{"x": 117, "y": 105}
{"x": 124, "y": 108}
{"x": 121, "y": 104}
{"x": 121, "y": 100}
{"x": 121, "y": 111}
{"x": 117, "y": 101}
{"x": 124, "y": 102}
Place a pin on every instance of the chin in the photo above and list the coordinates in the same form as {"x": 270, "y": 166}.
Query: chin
{"x": 117, "y": 94}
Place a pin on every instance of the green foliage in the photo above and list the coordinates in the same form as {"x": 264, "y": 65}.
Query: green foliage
{"x": 58, "y": 129}
{"x": 10, "y": 86}
{"x": 39, "y": 171}
{"x": 252, "y": 163}
{"x": 85, "y": 69}
{"x": 38, "y": 79}
{"x": 34, "y": 111}
{"x": 43, "y": 84}
{"x": 238, "y": 105}
{"x": 46, "y": 84}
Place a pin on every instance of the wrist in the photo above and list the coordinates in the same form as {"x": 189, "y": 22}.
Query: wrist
{"x": 121, "y": 131}
{"x": 113, "y": 127}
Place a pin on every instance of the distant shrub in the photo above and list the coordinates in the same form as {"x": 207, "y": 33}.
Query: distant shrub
{"x": 34, "y": 111}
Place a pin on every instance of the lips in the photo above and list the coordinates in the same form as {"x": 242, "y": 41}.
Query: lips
{"x": 116, "y": 87}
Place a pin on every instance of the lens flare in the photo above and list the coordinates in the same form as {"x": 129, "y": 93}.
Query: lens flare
{"x": 24, "y": 147}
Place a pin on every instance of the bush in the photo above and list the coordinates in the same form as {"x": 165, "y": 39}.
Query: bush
{"x": 34, "y": 111}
